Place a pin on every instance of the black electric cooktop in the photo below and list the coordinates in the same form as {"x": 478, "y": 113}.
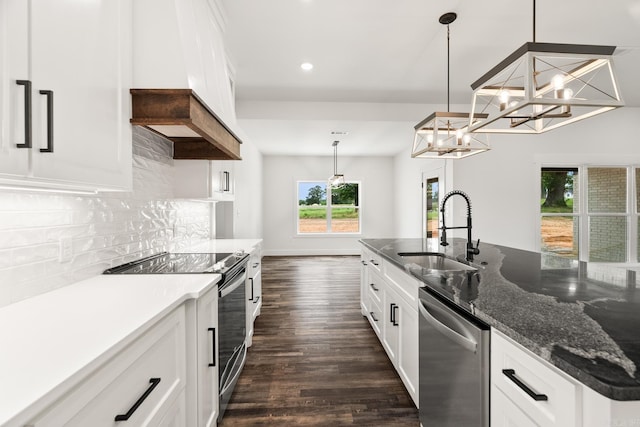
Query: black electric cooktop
{"x": 180, "y": 263}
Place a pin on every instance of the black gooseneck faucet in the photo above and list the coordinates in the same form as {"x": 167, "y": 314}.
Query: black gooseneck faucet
{"x": 471, "y": 250}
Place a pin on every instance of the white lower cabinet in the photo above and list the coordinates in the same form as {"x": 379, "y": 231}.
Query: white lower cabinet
{"x": 254, "y": 290}
{"x": 143, "y": 385}
{"x": 207, "y": 358}
{"x": 393, "y": 316}
{"x": 528, "y": 389}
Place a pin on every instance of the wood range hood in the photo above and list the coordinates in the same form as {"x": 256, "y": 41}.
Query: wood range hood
{"x": 181, "y": 116}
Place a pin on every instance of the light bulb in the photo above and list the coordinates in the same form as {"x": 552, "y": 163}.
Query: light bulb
{"x": 467, "y": 139}
{"x": 440, "y": 142}
{"x": 430, "y": 138}
{"x": 504, "y": 99}
{"x": 568, "y": 94}
{"x": 558, "y": 81}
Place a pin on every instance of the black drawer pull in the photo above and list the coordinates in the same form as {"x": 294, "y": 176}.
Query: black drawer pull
{"x": 49, "y": 95}
{"x": 125, "y": 417}
{"x": 251, "y": 299}
{"x": 363, "y": 262}
{"x": 213, "y": 346}
{"x": 256, "y": 300}
{"x": 374, "y": 262}
{"x": 394, "y": 321}
{"x": 373, "y": 286}
{"x": 27, "y": 113}
{"x": 511, "y": 374}
{"x": 373, "y": 316}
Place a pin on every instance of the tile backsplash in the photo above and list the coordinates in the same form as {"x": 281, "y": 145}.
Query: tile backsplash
{"x": 103, "y": 230}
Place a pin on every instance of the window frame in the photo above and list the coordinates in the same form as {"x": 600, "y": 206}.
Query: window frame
{"x": 328, "y": 209}
{"x": 631, "y": 215}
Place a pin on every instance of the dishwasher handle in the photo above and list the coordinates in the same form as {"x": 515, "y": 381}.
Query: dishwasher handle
{"x": 454, "y": 336}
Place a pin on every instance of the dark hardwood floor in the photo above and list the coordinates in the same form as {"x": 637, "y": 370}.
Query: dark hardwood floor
{"x": 315, "y": 361}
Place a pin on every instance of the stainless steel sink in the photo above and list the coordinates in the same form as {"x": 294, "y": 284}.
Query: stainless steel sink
{"x": 435, "y": 261}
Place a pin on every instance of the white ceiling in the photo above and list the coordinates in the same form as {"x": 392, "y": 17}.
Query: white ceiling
{"x": 380, "y": 65}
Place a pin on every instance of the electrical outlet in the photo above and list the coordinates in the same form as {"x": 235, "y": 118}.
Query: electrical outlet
{"x": 65, "y": 249}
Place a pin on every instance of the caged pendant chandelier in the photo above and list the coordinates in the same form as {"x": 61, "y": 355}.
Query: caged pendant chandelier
{"x": 542, "y": 86}
{"x": 336, "y": 180}
{"x": 444, "y": 135}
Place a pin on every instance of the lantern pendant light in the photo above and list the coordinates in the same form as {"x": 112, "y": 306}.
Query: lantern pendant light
{"x": 444, "y": 135}
{"x": 336, "y": 180}
{"x": 542, "y": 86}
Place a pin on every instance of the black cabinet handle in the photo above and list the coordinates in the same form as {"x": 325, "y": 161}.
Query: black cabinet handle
{"x": 27, "y": 113}
{"x": 213, "y": 346}
{"x": 256, "y": 265}
{"x": 251, "y": 278}
{"x": 393, "y": 314}
{"x": 363, "y": 262}
{"x": 373, "y": 286}
{"x": 49, "y": 95}
{"x": 511, "y": 374}
{"x": 373, "y": 316}
{"x": 256, "y": 300}
{"x": 124, "y": 417}
{"x": 374, "y": 263}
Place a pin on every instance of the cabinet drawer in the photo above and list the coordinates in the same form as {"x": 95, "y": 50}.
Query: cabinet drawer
{"x": 373, "y": 260}
{"x": 504, "y": 413}
{"x": 375, "y": 316}
{"x": 130, "y": 380}
{"x": 511, "y": 363}
{"x": 403, "y": 283}
{"x": 375, "y": 288}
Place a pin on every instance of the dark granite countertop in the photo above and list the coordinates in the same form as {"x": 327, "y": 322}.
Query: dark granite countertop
{"x": 587, "y": 328}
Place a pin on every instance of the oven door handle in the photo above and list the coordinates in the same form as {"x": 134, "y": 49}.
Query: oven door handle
{"x": 445, "y": 330}
{"x": 238, "y": 364}
{"x": 232, "y": 286}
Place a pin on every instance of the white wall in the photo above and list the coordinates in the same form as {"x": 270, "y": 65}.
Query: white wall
{"x": 504, "y": 183}
{"x": 280, "y": 200}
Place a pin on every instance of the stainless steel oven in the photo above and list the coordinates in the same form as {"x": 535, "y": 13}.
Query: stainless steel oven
{"x": 232, "y": 311}
{"x": 232, "y": 304}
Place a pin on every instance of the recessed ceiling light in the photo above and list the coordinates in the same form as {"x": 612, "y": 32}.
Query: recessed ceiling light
{"x": 306, "y": 66}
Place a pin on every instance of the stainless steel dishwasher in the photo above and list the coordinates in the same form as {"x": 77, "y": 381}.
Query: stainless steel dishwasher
{"x": 454, "y": 364}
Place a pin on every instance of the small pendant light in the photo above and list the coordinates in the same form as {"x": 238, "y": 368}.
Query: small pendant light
{"x": 336, "y": 180}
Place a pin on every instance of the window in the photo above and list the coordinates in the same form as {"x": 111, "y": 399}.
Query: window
{"x": 591, "y": 213}
{"x": 323, "y": 209}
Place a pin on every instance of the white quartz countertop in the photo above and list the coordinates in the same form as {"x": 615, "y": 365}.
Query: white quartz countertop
{"x": 49, "y": 342}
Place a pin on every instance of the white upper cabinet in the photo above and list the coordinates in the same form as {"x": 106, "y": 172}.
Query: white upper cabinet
{"x": 76, "y": 57}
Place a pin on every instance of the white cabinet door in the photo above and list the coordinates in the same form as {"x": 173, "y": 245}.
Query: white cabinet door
{"x": 76, "y": 58}
{"x": 207, "y": 369}
{"x": 14, "y": 51}
{"x": 80, "y": 51}
{"x": 364, "y": 284}
{"x": 254, "y": 291}
{"x": 390, "y": 329}
{"x": 408, "y": 348}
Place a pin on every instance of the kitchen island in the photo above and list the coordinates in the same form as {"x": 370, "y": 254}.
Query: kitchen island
{"x": 586, "y": 328}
